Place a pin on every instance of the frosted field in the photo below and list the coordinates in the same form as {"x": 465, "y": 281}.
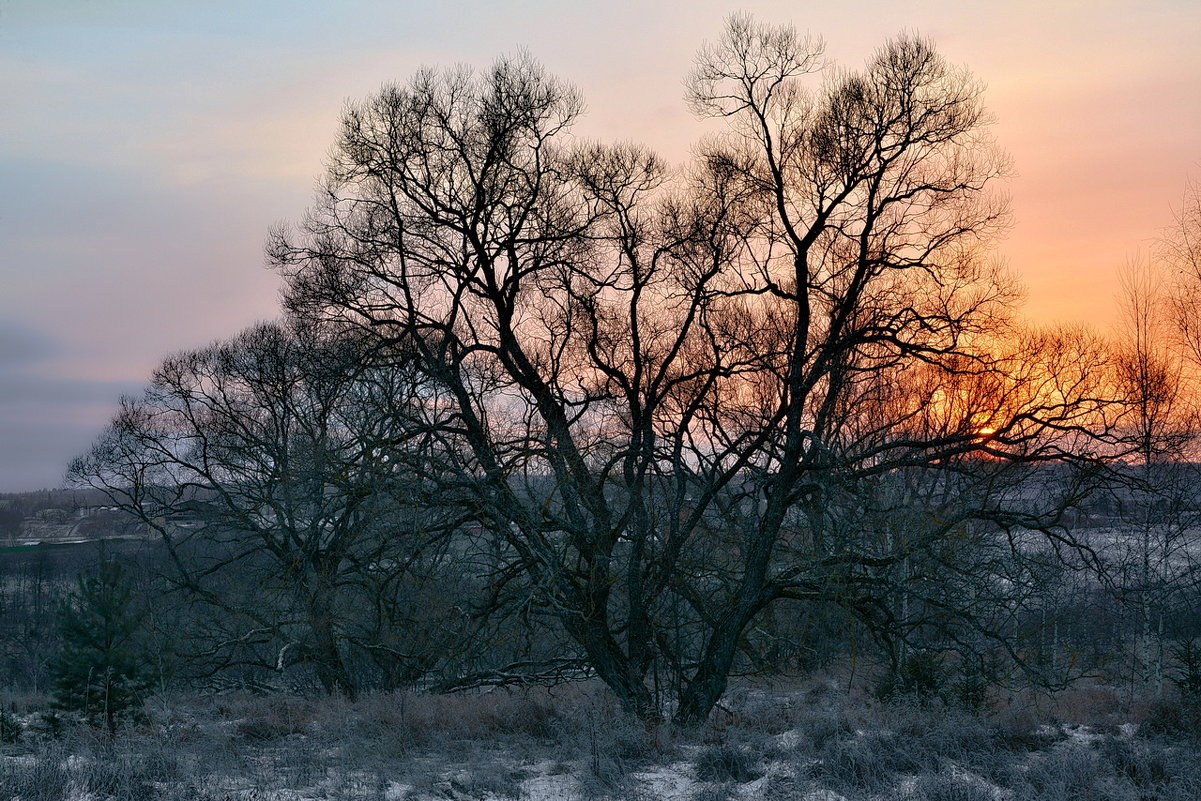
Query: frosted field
{"x": 807, "y": 742}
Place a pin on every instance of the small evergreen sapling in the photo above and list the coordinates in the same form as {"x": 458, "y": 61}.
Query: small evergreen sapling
{"x": 101, "y": 670}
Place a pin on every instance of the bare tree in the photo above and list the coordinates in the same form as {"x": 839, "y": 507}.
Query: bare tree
{"x": 268, "y": 466}
{"x": 677, "y": 399}
{"x": 1156, "y": 340}
{"x": 1180, "y": 249}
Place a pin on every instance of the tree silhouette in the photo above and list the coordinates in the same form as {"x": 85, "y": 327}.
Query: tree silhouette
{"x": 270, "y": 467}
{"x": 675, "y": 400}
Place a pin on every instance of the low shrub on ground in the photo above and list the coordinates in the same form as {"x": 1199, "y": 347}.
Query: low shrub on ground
{"x": 42, "y": 778}
{"x": 1141, "y": 763}
{"x": 824, "y": 723}
{"x": 1186, "y": 674}
{"x": 1018, "y": 728}
{"x": 87, "y": 765}
{"x": 1173, "y": 718}
{"x": 727, "y": 763}
{"x": 415, "y": 721}
{"x": 858, "y": 761}
{"x": 1067, "y": 771}
{"x": 264, "y": 718}
{"x": 922, "y": 675}
{"x": 52, "y": 724}
{"x": 11, "y": 728}
{"x": 951, "y": 786}
{"x": 488, "y": 778}
{"x": 715, "y": 792}
{"x": 934, "y": 736}
{"x": 1085, "y": 703}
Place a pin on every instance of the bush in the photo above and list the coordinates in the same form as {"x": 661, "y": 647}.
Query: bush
{"x": 826, "y": 723}
{"x": 1187, "y": 674}
{"x": 272, "y": 718}
{"x": 869, "y": 761}
{"x": 1069, "y": 771}
{"x": 1145, "y": 766}
{"x": 930, "y": 738}
{"x": 970, "y": 690}
{"x": 266, "y": 730}
{"x": 1173, "y": 718}
{"x": 921, "y": 675}
{"x": 491, "y": 780}
{"x": 726, "y": 763}
{"x": 10, "y": 728}
{"x": 951, "y": 787}
{"x": 41, "y": 779}
{"x": 51, "y": 724}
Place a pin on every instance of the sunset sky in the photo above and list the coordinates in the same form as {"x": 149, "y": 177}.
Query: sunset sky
{"x": 146, "y": 146}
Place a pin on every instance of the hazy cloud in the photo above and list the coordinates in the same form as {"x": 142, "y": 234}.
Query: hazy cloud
{"x": 36, "y": 456}
{"x": 148, "y": 146}
{"x": 22, "y": 345}
{"x": 46, "y": 421}
{"x": 39, "y": 392}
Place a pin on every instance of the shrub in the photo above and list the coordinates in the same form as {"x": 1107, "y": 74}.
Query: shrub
{"x": 492, "y": 779}
{"x": 10, "y": 728}
{"x": 1069, "y": 771}
{"x": 271, "y": 718}
{"x": 951, "y": 787}
{"x": 970, "y": 690}
{"x": 825, "y": 723}
{"x": 869, "y": 761}
{"x": 1139, "y": 762}
{"x": 726, "y": 763}
{"x": 1173, "y": 718}
{"x": 44, "y": 778}
{"x": 51, "y": 724}
{"x": 930, "y": 737}
{"x": 1187, "y": 675}
{"x": 264, "y": 730}
{"x": 922, "y": 675}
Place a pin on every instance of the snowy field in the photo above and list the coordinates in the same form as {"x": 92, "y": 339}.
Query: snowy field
{"x": 807, "y": 741}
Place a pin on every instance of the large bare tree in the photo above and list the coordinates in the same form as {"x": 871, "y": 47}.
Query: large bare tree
{"x": 677, "y": 398}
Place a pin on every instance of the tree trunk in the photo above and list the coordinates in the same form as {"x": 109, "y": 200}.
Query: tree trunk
{"x": 708, "y": 684}
{"x": 330, "y": 668}
{"x": 613, "y": 667}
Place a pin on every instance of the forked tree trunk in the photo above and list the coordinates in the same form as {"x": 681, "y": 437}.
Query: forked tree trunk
{"x": 613, "y": 667}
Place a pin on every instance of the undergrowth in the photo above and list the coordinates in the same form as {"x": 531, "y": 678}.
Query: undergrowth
{"x": 808, "y": 740}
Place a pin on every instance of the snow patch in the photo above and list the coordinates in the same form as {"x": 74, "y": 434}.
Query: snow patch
{"x": 790, "y": 740}
{"x": 824, "y": 795}
{"x": 669, "y": 782}
{"x": 548, "y": 788}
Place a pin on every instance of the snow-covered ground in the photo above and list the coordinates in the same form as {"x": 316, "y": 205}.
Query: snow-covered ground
{"x": 804, "y": 743}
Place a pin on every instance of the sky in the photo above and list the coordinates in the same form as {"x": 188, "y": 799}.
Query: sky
{"x": 147, "y": 146}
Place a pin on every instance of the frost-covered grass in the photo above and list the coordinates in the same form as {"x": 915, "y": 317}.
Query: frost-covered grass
{"x": 806, "y": 741}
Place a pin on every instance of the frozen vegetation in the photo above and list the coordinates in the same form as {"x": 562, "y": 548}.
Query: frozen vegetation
{"x": 810, "y": 740}
{"x": 540, "y": 410}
